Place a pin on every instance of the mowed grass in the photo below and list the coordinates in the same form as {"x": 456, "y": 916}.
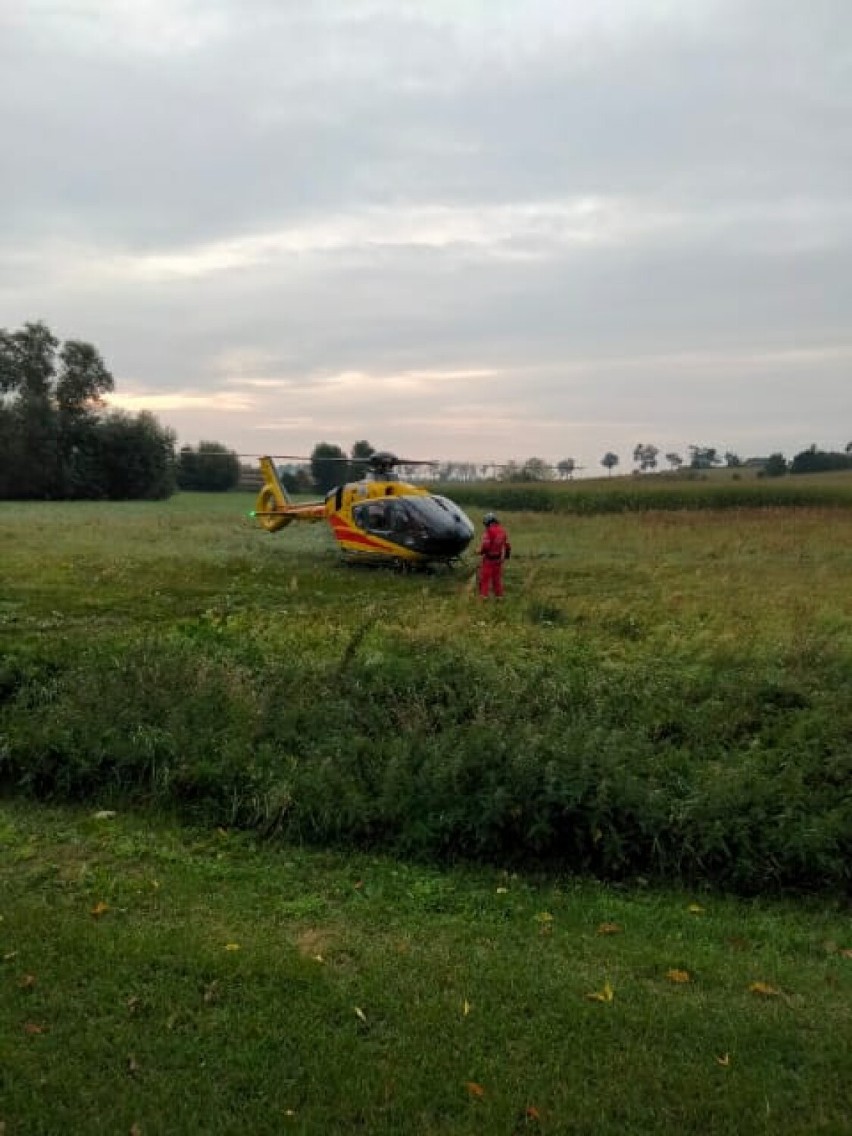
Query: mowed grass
{"x": 159, "y": 979}
{"x": 187, "y": 979}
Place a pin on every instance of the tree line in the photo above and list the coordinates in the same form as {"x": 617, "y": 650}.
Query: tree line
{"x": 329, "y": 465}
{"x": 56, "y": 438}
{"x": 811, "y": 460}
{"x": 59, "y": 441}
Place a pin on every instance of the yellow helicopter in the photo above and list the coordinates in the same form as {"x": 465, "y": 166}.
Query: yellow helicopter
{"x": 376, "y": 520}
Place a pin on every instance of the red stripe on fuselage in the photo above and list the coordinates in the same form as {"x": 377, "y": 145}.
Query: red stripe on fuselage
{"x": 345, "y": 532}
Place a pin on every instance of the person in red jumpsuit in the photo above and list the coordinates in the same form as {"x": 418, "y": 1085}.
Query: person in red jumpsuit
{"x": 494, "y": 550}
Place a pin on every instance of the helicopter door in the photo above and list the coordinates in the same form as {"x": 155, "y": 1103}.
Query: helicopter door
{"x": 381, "y": 517}
{"x": 370, "y": 516}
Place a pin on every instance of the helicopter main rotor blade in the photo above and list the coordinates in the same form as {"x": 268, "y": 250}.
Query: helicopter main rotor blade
{"x": 390, "y": 459}
{"x": 296, "y": 457}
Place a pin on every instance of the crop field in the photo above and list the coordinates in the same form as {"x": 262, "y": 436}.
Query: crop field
{"x": 290, "y": 846}
{"x": 714, "y": 489}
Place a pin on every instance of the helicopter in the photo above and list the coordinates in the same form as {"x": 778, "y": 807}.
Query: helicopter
{"x": 377, "y": 520}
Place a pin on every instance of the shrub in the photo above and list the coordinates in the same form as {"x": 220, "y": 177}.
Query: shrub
{"x": 733, "y": 772}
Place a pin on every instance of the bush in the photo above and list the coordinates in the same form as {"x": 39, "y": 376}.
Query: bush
{"x": 733, "y": 772}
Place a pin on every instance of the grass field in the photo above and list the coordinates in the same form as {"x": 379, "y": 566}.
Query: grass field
{"x": 284, "y": 927}
{"x": 783, "y": 571}
{"x": 185, "y": 981}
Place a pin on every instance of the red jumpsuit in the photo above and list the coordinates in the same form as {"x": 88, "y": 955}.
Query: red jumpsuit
{"x": 495, "y": 548}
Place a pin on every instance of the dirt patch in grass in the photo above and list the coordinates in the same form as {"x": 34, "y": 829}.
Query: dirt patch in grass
{"x": 313, "y": 941}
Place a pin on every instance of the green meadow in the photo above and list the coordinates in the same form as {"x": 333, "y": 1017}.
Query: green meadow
{"x": 290, "y": 846}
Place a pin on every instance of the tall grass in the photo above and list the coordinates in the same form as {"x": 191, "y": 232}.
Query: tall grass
{"x": 732, "y": 771}
{"x": 664, "y": 696}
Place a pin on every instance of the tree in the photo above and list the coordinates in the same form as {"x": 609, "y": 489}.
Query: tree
{"x": 511, "y": 471}
{"x": 732, "y": 460}
{"x": 9, "y": 451}
{"x": 703, "y": 457}
{"x": 566, "y": 468}
{"x": 295, "y": 478}
{"x": 674, "y": 460}
{"x": 83, "y": 381}
{"x": 135, "y": 457}
{"x": 211, "y": 468}
{"x": 27, "y": 371}
{"x": 813, "y": 460}
{"x": 359, "y": 453}
{"x": 535, "y": 469}
{"x": 609, "y": 461}
{"x": 645, "y": 456}
{"x": 328, "y": 466}
{"x": 776, "y": 466}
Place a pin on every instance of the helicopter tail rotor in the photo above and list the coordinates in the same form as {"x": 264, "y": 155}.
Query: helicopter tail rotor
{"x": 266, "y": 511}
{"x": 272, "y": 496}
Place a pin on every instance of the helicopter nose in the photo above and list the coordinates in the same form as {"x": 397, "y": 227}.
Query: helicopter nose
{"x": 451, "y": 542}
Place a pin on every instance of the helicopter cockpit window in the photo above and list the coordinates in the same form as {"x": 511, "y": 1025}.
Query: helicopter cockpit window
{"x": 399, "y": 518}
{"x": 370, "y": 516}
{"x": 382, "y": 516}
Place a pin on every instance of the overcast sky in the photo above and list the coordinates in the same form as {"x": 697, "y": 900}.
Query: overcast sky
{"x": 466, "y": 229}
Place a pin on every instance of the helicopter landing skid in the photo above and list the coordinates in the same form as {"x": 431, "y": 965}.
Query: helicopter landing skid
{"x": 398, "y": 565}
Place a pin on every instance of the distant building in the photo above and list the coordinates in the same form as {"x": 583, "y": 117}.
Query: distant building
{"x": 250, "y": 478}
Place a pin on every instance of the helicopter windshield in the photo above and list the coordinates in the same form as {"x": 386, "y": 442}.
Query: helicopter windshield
{"x": 452, "y": 508}
{"x": 437, "y": 513}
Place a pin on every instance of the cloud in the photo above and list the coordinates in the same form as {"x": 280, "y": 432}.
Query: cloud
{"x": 510, "y": 231}
{"x": 122, "y": 27}
{"x": 134, "y": 400}
{"x": 493, "y": 228}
